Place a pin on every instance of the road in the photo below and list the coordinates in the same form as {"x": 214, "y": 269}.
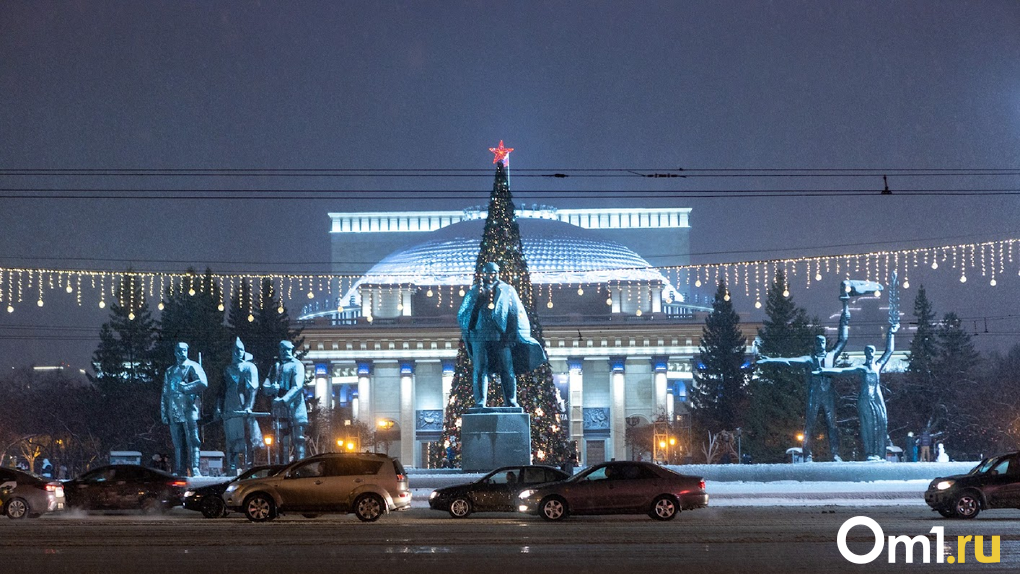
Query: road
{"x": 757, "y": 539}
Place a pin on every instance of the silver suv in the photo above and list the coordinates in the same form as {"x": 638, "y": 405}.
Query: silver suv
{"x": 367, "y": 484}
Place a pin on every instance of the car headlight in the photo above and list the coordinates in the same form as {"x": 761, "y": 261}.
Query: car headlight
{"x": 189, "y": 493}
{"x": 526, "y": 493}
{"x": 230, "y": 489}
{"x": 944, "y": 484}
{"x": 433, "y": 495}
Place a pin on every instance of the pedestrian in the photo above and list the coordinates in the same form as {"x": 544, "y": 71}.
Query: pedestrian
{"x": 924, "y": 441}
{"x": 910, "y": 448}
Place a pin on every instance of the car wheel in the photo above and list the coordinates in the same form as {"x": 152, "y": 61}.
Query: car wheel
{"x": 460, "y": 507}
{"x": 16, "y": 508}
{"x": 967, "y": 505}
{"x": 213, "y": 507}
{"x": 553, "y": 508}
{"x": 152, "y": 506}
{"x": 368, "y": 507}
{"x": 946, "y": 513}
{"x": 664, "y": 508}
{"x": 259, "y": 507}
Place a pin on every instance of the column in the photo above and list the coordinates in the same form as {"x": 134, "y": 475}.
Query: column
{"x": 407, "y": 418}
{"x": 448, "y": 369}
{"x": 659, "y": 366}
{"x": 575, "y": 403}
{"x": 617, "y": 409}
{"x": 365, "y": 394}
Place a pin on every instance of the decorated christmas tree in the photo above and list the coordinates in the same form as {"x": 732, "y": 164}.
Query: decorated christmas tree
{"x": 536, "y": 393}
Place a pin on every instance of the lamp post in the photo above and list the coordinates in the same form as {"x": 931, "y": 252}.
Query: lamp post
{"x": 269, "y": 450}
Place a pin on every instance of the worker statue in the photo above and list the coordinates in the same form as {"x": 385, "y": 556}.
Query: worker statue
{"x": 497, "y": 335}
{"x": 285, "y": 386}
{"x": 181, "y": 408}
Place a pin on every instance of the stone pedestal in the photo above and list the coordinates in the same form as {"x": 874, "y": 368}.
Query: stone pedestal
{"x": 492, "y": 437}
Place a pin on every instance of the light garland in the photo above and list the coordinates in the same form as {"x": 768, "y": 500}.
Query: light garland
{"x": 991, "y": 259}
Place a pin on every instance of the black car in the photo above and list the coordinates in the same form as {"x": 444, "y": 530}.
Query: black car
{"x": 209, "y": 499}
{"x": 494, "y": 492}
{"x": 125, "y": 487}
{"x": 993, "y": 483}
{"x": 617, "y": 487}
{"x": 25, "y": 494}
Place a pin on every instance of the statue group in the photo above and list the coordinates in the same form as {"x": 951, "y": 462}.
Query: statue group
{"x": 819, "y": 369}
{"x": 184, "y": 383}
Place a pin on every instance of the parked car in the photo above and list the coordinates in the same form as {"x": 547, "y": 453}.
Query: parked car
{"x": 25, "y": 494}
{"x": 209, "y": 499}
{"x": 494, "y": 492}
{"x": 618, "y": 487}
{"x": 125, "y": 487}
{"x": 367, "y": 484}
{"x": 993, "y": 483}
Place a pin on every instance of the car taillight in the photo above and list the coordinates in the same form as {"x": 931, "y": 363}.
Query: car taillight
{"x": 179, "y": 483}
{"x": 401, "y": 478}
{"x": 701, "y": 484}
{"x": 56, "y": 489}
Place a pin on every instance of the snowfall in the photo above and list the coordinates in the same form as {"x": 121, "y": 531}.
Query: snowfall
{"x": 814, "y": 483}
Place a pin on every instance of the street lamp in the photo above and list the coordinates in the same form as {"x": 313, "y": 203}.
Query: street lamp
{"x": 269, "y": 451}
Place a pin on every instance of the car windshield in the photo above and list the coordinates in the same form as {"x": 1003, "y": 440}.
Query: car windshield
{"x": 985, "y": 465}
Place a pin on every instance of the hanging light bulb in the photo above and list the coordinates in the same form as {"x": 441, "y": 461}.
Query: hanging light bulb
{"x": 280, "y": 309}
{"x": 906, "y": 283}
{"x": 992, "y": 282}
{"x": 726, "y": 297}
{"x": 818, "y": 276}
{"x": 400, "y": 306}
{"x": 311, "y": 295}
{"x": 757, "y": 304}
{"x": 963, "y": 278}
{"x": 461, "y": 292}
{"x": 251, "y": 317}
{"x": 786, "y": 292}
{"x": 10, "y": 308}
{"x": 846, "y": 288}
{"x": 609, "y": 301}
{"x": 339, "y": 309}
{"x": 131, "y": 316}
{"x": 160, "y": 306}
{"x": 369, "y": 319}
{"x": 934, "y": 264}
{"x": 549, "y": 304}
{"x": 102, "y": 304}
{"x": 580, "y": 291}
{"x": 697, "y": 283}
{"x": 39, "y": 302}
{"x": 69, "y": 289}
{"x": 878, "y": 293}
{"x": 429, "y": 292}
{"x": 492, "y": 305}
{"x": 219, "y": 307}
{"x": 638, "y": 312}
{"x": 191, "y": 291}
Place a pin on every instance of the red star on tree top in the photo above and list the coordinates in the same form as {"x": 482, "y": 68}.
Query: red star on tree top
{"x": 502, "y": 153}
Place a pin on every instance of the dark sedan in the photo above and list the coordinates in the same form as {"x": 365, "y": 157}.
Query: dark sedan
{"x": 494, "y": 492}
{"x": 209, "y": 499}
{"x": 993, "y": 483}
{"x": 125, "y": 487}
{"x": 25, "y": 494}
{"x": 618, "y": 487}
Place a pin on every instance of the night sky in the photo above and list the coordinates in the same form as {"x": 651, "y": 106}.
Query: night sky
{"x": 428, "y": 86}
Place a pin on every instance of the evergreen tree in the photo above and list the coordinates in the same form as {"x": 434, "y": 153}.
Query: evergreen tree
{"x": 917, "y": 405}
{"x": 536, "y": 393}
{"x": 778, "y": 397}
{"x": 954, "y": 381}
{"x": 719, "y": 392}
{"x": 126, "y": 377}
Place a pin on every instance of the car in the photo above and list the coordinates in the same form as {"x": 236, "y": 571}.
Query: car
{"x": 617, "y": 487}
{"x": 209, "y": 499}
{"x": 494, "y": 492}
{"x": 993, "y": 483}
{"x": 125, "y": 487}
{"x": 367, "y": 484}
{"x": 26, "y": 494}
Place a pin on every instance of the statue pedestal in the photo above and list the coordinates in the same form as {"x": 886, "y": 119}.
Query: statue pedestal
{"x": 492, "y": 437}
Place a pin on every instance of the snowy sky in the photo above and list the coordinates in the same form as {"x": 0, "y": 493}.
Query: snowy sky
{"x": 431, "y": 85}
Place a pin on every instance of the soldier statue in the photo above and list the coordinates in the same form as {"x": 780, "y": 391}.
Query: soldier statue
{"x": 181, "y": 406}
{"x": 236, "y": 401}
{"x": 497, "y": 334}
{"x": 285, "y": 386}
